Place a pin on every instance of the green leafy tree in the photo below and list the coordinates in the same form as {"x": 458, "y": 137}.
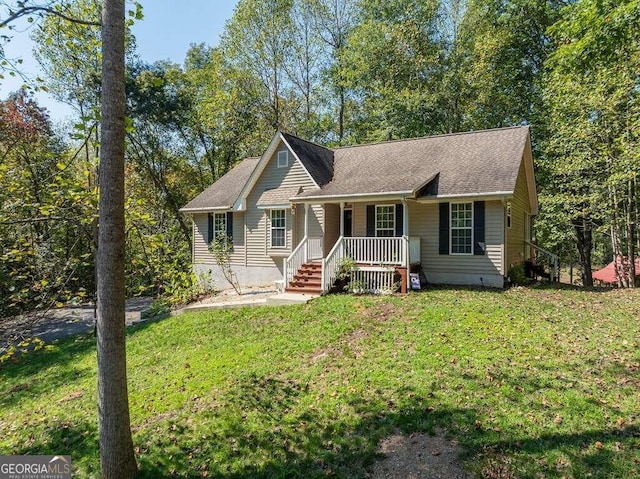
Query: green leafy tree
{"x": 256, "y": 41}
{"x": 591, "y": 95}
{"x": 44, "y": 210}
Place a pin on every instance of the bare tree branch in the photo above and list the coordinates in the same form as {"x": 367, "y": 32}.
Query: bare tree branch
{"x": 49, "y": 11}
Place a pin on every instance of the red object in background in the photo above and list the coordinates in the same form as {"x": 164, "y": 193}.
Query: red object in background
{"x": 608, "y": 274}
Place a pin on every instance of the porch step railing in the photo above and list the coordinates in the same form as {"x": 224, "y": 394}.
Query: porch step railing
{"x": 307, "y": 250}
{"x": 331, "y": 264}
{"x": 378, "y": 253}
{"x": 553, "y": 260}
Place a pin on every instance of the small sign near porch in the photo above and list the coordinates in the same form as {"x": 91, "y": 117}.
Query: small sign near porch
{"x": 414, "y": 279}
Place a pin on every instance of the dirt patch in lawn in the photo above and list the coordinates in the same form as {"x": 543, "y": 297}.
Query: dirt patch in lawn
{"x": 418, "y": 456}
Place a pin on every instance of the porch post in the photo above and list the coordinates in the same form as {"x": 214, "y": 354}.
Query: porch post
{"x": 405, "y": 217}
{"x": 405, "y": 229}
{"x": 341, "y": 218}
{"x": 306, "y": 220}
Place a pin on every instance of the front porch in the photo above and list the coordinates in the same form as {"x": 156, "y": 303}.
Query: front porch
{"x": 372, "y": 264}
{"x": 350, "y": 240}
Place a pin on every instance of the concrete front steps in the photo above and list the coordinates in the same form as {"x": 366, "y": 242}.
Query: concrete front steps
{"x": 308, "y": 280}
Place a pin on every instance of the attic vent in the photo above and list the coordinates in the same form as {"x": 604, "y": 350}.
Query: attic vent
{"x": 283, "y": 159}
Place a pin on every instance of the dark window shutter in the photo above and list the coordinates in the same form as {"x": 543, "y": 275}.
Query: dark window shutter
{"x": 443, "y": 245}
{"x": 210, "y": 229}
{"x": 478, "y": 227}
{"x": 399, "y": 219}
{"x": 371, "y": 220}
{"x": 230, "y": 226}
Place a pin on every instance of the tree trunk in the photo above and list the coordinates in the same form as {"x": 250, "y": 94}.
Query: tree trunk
{"x": 116, "y": 446}
{"x": 585, "y": 244}
{"x": 631, "y": 235}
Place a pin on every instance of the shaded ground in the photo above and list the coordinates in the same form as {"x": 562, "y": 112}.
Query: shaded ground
{"x": 62, "y": 322}
{"x": 418, "y": 456}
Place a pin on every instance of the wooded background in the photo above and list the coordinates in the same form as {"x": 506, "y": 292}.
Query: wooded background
{"x": 336, "y": 72}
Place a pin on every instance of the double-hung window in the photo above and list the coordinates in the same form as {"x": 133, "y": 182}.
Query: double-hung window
{"x": 219, "y": 226}
{"x": 461, "y": 228}
{"x": 385, "y": 220}
{"x": 278, "y": 221}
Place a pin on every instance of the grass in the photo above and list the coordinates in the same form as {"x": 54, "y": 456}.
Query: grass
{"x": 531, "y": 382}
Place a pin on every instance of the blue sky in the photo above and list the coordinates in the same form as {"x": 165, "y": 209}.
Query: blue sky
{"x": 166, "y": 32}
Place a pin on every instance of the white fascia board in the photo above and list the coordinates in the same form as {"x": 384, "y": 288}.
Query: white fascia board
{"x": 360, "y": 197}
{"x": 205, "y": 210}
{"x": 286, "y": 143}
{"x": 527, "y": 158}
{"x": 494, "y": 195}
{"x": 284, "y": 206}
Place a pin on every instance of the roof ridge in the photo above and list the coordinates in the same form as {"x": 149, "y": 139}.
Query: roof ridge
{"x": 442, "y": 135}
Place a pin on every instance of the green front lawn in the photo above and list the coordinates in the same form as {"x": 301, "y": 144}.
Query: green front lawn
{"x": 532, "y": 383}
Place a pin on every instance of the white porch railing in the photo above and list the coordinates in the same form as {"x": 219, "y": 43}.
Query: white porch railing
{"x": 392, "y": 250}
{"x": 331, "y": 264}
{"x": 307, "y": 250}
{"x": 315, "y": 248}
{"x": 378, "y": 253}
{"x": 553, "y": 259}
{"x": 295, "y": 260}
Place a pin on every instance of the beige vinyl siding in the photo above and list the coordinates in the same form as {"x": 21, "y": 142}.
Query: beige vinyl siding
{"x": 201, "y": 252}
{"x": 258, "y": 228}
{"x": 520, "y": 209}
{"x": 423, "y": 222}
{"x": 316, "y": 216}
{"x": 332, "y": 226}
{"x": 359, "y": 219}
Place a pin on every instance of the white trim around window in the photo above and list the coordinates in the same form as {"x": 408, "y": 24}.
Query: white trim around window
{"x": 461, "y": 229}
{"x": 283, "y": 159}
{"x": 385, "y": 221}
{"x": 278, "y": 228}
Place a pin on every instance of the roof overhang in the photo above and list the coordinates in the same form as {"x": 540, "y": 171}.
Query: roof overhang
{"x": 355, "y": 198}
{"x": 206, "y": 210}
{"x": 283, "y": 206}
{"x": 365, "y": 197}
{"x": 495, "y": 195}
{"x": 531, "y": 178}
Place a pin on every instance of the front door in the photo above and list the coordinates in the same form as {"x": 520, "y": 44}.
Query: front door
{"x": 348, "y": 223}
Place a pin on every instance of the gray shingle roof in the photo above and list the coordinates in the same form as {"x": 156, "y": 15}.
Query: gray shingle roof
{"x": 480, "y": 162}
{"x": 224, "y": 192}
{"x": 456, "y": 164}
{"x": 277, "y": 196}
{"x": 317, "y": 159}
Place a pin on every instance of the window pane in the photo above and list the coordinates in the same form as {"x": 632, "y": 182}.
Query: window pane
{"x": 219, "y": 225}
{"x": 278, "y": 228}
{"x": 385, "y": 220}
{"x": 461, "y": 228}
{"x": 277, "y": 219}
{"x": 277, "y": 237}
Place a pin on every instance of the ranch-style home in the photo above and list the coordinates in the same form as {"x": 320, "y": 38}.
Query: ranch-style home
{"x": 460, "y": 204}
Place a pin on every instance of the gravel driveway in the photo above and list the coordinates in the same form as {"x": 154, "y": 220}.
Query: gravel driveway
{"x": 62, "y": 322}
